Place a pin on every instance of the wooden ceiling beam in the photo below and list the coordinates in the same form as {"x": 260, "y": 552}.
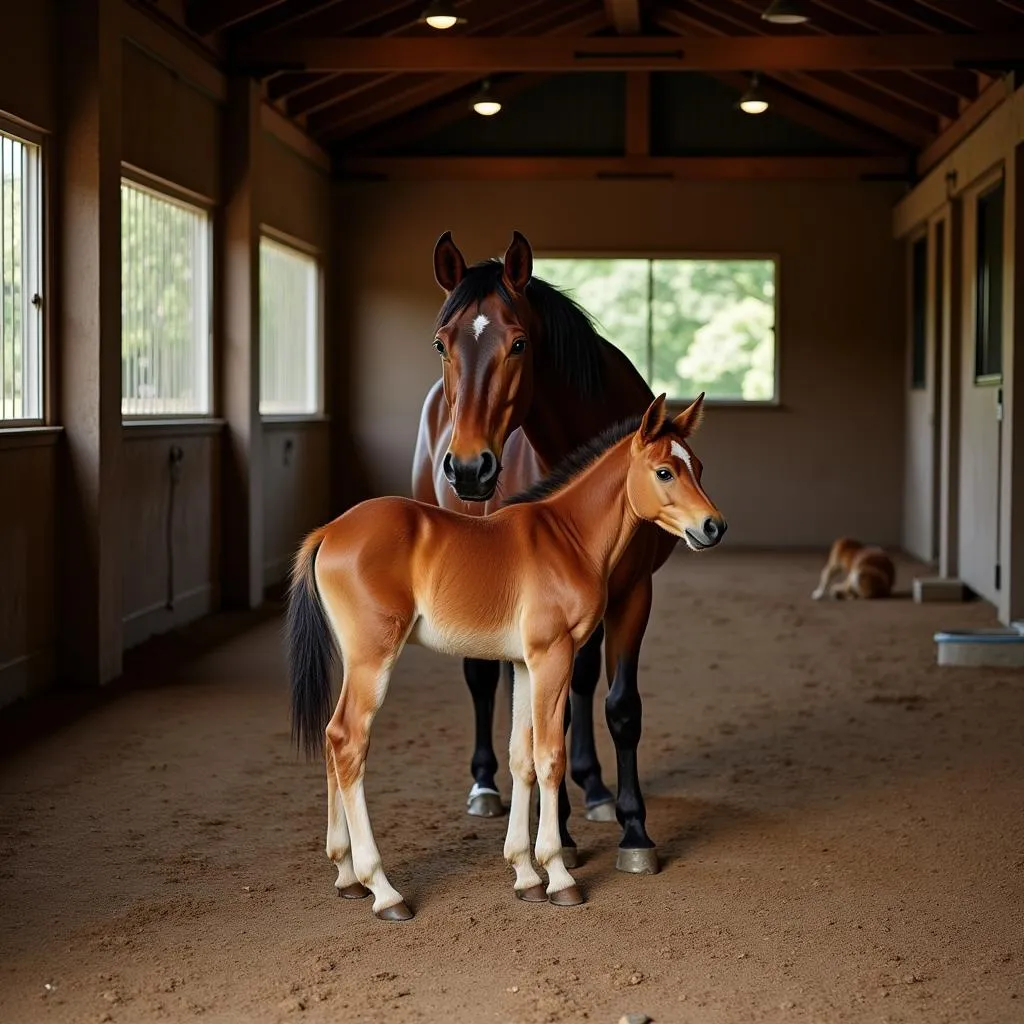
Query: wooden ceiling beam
{"x": 991, "y": 98}
{"x": 357, "y": 114}
{"x": 204, "y": 17}
{"x": 882, "y": 118}
{"x": 497, "y": 18}
{"x": 506, "y": 168}
{"x": 624, "y": 16}
{"x": 487, "y": 55}
{"x": 638, "y": 113}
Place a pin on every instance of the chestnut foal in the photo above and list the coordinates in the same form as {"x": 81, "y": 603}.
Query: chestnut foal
{"x": 393, "y": 570}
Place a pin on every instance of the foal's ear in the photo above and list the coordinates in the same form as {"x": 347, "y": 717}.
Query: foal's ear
{"x": 690, "y": 418}
{"x": 518, "y": 264}
{"x": 653, "y": 421}
{"x": 449, "y": 266}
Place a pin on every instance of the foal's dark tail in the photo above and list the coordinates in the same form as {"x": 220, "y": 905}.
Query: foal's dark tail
{"x": 311, "y": 651}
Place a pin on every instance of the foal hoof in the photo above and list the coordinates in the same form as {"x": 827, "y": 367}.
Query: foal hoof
{"x": 484, "y": 803}
{"x": 638, "y": 861}
{"x": 570, "y": 857}
{"x": 534, "y": 894}
{"x": 604, "y": 811}
{"x": 569, "y": 897}
{"x": 355, "y": 891}
{"x": 396, "y": 912}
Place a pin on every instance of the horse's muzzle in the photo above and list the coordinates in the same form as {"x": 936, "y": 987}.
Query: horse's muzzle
{"x": 473, "y": 479}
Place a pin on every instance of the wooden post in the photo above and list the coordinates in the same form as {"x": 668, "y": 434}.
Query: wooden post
{"x": 949, "y": 401}
{"x": 242, "y": 525}
{"x": 87, "y": 303}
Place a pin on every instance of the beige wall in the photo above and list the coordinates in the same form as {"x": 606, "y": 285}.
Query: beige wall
{"x": 828, "y": 461}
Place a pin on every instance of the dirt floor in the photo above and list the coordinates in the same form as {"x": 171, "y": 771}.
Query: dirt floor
{"x": 841, "y": 824}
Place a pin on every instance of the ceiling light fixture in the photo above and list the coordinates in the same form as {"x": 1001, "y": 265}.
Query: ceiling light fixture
{"x": 752, "y": 101}
{"x": 485, "y": 102}
{"x": 786, "y": 12}
{"x": 441, "y": 14}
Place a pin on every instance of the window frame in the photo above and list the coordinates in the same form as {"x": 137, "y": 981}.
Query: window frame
{"x": 997, "y": 183}
{"x": 185, "y": 198}
{"x": 303, "y": 248}
{"x": 39, "y": 240}
{"x": 724, "y": 255}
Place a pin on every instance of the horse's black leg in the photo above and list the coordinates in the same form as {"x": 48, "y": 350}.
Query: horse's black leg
{"x": 626, "y": 624}
{"x": 482, "y": 680}
{"x": 583, "y": 763}
{"x": 564, "y": 810}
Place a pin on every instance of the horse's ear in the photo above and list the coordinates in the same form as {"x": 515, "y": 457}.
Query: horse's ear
{"x": 653, "y": 421}
{"x": 449, "y": 266}
{"x": 518, "y": 264}
{"x": 690, "y": 418}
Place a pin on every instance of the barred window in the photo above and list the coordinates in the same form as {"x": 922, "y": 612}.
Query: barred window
{"x": 21, "y": 278}
{"x": 289, "y": 330}
{"x": 165, "y": 305}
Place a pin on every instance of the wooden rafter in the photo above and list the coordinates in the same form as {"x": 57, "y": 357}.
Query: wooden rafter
{"x": 624, "y": 16}
{"x": 485, "y": 55}
{"x": 980, "y": 15}
{"x": 360, "y": 113}
{"x": 205, "y": 17}
{"x": 580, "y": 168}
{"x": 883, "y": 118}
{"x": 529, "y": 15}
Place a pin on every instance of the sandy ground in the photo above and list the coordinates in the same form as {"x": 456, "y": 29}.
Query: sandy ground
{"x": 841, "y": 824}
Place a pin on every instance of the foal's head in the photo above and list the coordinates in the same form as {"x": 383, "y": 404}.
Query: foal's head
{"x": 663, "y": 484}
{"x": 486, "y": 359}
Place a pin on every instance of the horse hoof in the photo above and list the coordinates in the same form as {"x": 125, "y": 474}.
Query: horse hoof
{"x": 485, "y": 805}
{"x": 396, "y": 912}
{"x": 569, "y": 897}
{"x": 638, "y": 861}
{"x": 533, "y": 894}
{"x": 570, "y": 857}
{"x": 604, "y": 811}
{"x": 355, "y": 891}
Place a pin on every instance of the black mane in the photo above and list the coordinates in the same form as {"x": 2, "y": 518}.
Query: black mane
{"x": 570, "y": 340}
{"x": 575, "y": 462}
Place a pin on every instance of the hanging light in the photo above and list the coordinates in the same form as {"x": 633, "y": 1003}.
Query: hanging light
{"x": 485, "y": 102}
{"x": 753, "y": 101}
{"x": 786, "y": 12}
{"x": 441, "y": 14}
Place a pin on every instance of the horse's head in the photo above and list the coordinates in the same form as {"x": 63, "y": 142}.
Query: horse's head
{"x": 663, "y": 484}
{"x": 483, "y": 337}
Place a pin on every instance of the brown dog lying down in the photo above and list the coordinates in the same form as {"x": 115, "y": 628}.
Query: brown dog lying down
{"x": 863, "y": 571}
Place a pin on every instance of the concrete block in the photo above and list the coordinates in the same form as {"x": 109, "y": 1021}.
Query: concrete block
{"x": 938, "y": 588}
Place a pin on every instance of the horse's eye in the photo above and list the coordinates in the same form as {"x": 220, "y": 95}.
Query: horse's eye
{"x": 518, "y": 346}
{"x": 439, "y": 345}
{"x": 663, "y": 474}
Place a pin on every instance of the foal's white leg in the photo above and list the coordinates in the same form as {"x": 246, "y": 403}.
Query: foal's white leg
{"x": 549, "y": 681}
{"x": 349, "y": 734}
{"x": 520, "y": 762}
{"x": 339, "y": 847}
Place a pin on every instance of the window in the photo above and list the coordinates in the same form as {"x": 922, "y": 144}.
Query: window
{"x": 289, "y": 330}
{"x": 988, "y": 344}
{"x": 919, "y": 303}
{"x": 688, "y": 325}
{"x": 21, "y": 278}
{"x": 165, "y": 305}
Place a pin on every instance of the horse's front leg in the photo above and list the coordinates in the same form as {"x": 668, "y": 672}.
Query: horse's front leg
{"x": 584, "y": 765}
{"x": 625, "y": 623}
{"x": 484, "y": 801}
{"x": 550, "y": 674}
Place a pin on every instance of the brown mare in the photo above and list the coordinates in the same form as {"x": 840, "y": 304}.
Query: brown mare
{"x": 525, "y": 380}
{"x": 394, "y": 570}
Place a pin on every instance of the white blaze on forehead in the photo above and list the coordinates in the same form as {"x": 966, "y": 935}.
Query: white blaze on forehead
{"x": 681, "y": 453}
{"x": 479, "y": 324}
